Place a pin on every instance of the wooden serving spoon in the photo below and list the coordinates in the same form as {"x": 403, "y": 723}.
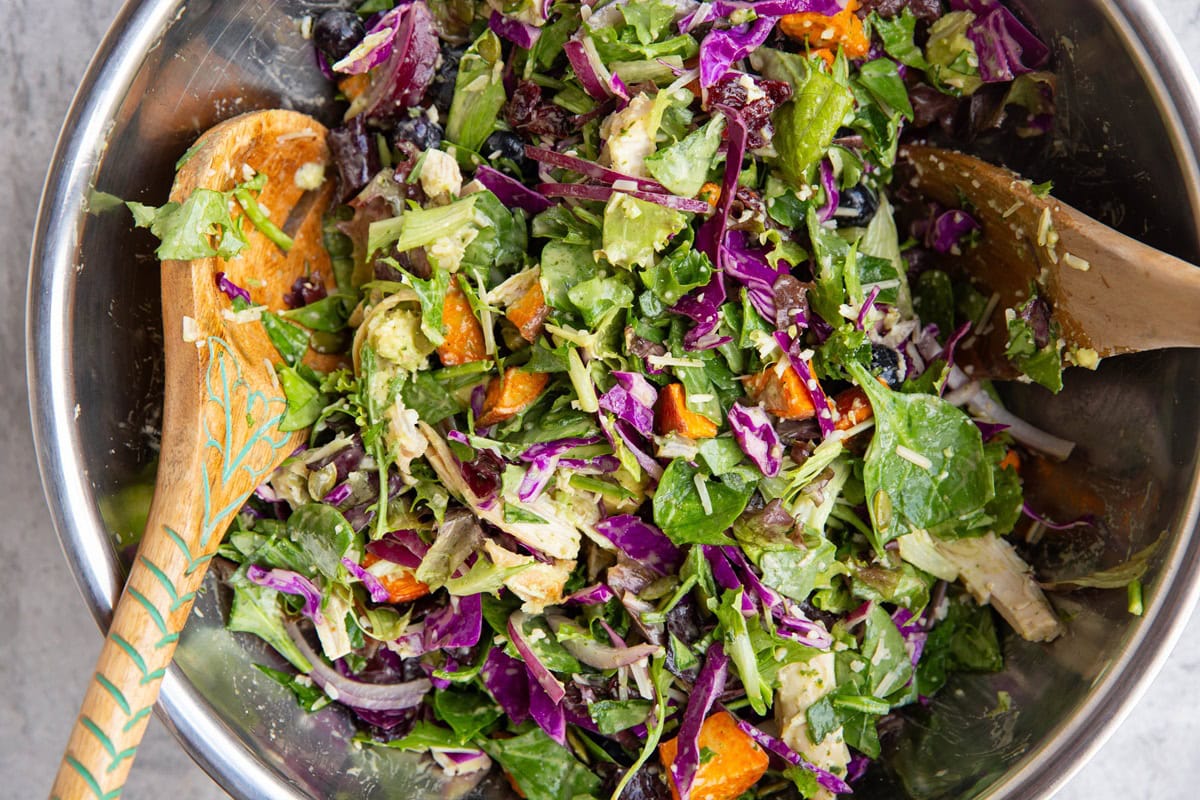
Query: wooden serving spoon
{"x": 1110, "y": 293}
{"x": 221, "y": 437}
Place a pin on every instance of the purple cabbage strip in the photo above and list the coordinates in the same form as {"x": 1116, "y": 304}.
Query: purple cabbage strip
{"x": 231, "y": 289}
{"x": 604, "y": 464}
{"x": 642, "y": 542}
{"x": 537, "y": 477}
{"x": 951, "y": 343}
{"x": 590, "y": 596}
{"x": 590, "y": 169}
{"x": 780, "y": 748}
{"x": 722, "y": 47}
{"x": 511, "y": 191}
{"x": 522, "y": 34}
{"x": 704, "y": 308}
{"x": 374, "y": 588}
{"x": 338, "y": 494}
{"x": 288, "y": 582}
{"x": 459, "y": 623}
{"x": 545, "y": 678}
{"x": 989, "y": 430}
{"x": 749, "y": 266}
{"x": 766, "y": 595}
{"x": 401, "y": 79}
{"x": 777, "y": 8}
{"x": 1079, "y": 522}
{"x": 382, "y": 36}
{"x": 832, "y": 196}
{"x": 616, "y": 430}
{"x": 708, "y": 687}
{"x": 857, "y": 615}
{"x": 400, "y": 547}
{"x": 507, "y": 681}
{"x": 912, "y": 629}
{"x": 868, "y": 304}
{"x": 757, "y": 437}
{"x": 590, "y": 73}
{"x": 587, "y": 191}
{"x": 547, "y": 712}
{"x": 792, "y": 348}
{"x": 558, "y": 447}
{"x": 1004, "y": 46}
{"x": 710, "y": 237}
{"x": 949, "y": 229}
{"x": 632, "y": 399}
{"x": 725, "y": 577}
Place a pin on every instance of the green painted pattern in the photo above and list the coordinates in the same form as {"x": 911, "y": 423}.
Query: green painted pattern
{"x": 226, "y": 388}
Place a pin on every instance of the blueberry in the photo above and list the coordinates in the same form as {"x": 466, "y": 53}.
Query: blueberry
{"x": 506, "y": 150}
{"x": 856, "y": 207}
{"x": 441, "y": 91}
{"x": 337, "y": 32}
{"x": 422, "y": 132}
{"x": 885, "y": 362}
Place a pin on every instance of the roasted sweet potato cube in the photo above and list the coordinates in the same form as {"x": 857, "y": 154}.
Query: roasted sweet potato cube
{"x": 673, "y": 415}
{"x": 464, "y": 334}
{"x": 852, "y": 408}
{"x": 402, "y": 586}
{"x": 782, "y": 394}
{"x": 736, "y": 764}
{"x": 530, "y": 312}
{"x": 510, "y": 394}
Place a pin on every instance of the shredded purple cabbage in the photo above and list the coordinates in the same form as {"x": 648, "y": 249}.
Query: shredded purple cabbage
{"x": 506, "y": 680}
{"x": 642, "y": 542}
{"x": 757, "y": 437}
{"x": 519, "y": 33}
{"x": 231, "y": 289}
{"x": 511, "y": 191}
{"x": 708, "y": 687}
{"x": 374, "y": 588}
{"x": 288, "y": 582}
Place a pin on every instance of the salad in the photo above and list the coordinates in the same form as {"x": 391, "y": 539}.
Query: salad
{"x": 654, "y": 465}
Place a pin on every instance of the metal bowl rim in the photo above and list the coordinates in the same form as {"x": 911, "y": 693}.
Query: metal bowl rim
{"x": 83, "y": 537}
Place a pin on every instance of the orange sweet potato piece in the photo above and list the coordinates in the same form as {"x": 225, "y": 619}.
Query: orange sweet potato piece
{"x": 784, "y": 395}
{"x": 529, "y": 313}
{"x": 710, "y": 193}
{"x": 737, "y": 763}
{"x": 675, "y": 417}
{"x": 852, "y": 408}
{"x": 510, "y": 394}
{"x": 464, "y": 334}
{"x": 402, "y": 587}
{"x": 821, "y": 31}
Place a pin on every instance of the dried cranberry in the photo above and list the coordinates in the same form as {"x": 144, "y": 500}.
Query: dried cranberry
{"x": 306, "y": 289}
{"x": 527, "y": 112}
{"x": 791, "y": 301}
{"x": 483, "y": 474}
{"x": 755, "y": 99}
{"x": 747, "y": 211}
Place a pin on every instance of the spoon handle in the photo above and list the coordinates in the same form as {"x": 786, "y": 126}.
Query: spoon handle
{"x": 220, "y": 439}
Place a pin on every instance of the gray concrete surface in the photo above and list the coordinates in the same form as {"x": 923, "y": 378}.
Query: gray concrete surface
{"x": 47, "y": 639}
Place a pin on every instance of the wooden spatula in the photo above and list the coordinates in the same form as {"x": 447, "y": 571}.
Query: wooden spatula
{"x": 220, "y": 428}
{"x": 1110, "y": 293}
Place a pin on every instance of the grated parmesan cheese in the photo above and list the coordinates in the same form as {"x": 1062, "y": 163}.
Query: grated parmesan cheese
{"x": 672, "y": 361}
{"x": 702, "y": 489}
{"x": 914, "y": 457}
{"x": 1075, "y": 262}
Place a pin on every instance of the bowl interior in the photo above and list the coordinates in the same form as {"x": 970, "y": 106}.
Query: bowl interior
{"x": 172, "y": 70}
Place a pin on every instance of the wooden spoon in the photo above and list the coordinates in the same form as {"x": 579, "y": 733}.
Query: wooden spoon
{"x": 1110, "y": 293}
{"x": 220, "y": 438}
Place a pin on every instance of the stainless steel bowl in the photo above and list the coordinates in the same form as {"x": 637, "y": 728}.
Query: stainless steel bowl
{"x": 1130, "y": 119}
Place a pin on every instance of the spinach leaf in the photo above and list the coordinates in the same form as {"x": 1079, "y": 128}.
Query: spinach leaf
{"x": 882, "y": 79}
{"x": 304, "y": 401}
{"x": 290, "y": 340}
{"x": 1042, "y": 364}
{"x": 614, "y": 716}
{"x": 966, "y": 641}
{"x": 328, "y": 314}
{"x": 925, "y": 464}
{"x": 794, "y": 572}
{"x": 424, "y": 394}
{"x": 541, "y": 768}
{"x": 680, "y": 513}
{"x": 501, "y": 241}
{"x": 933, "y": 301}
{"x": 596, "y": 297}
{"x": 308, "y": 696}
{"x": 563, "y": 266}
{"x": 467, "y": 711}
